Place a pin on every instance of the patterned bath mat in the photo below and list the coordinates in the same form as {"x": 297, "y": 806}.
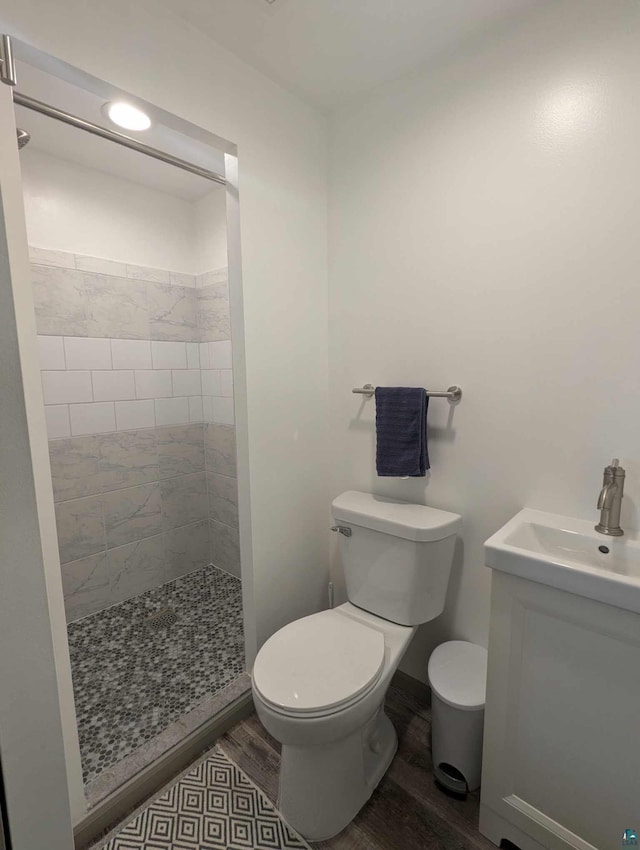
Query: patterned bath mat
{"x": 213, "y": 807}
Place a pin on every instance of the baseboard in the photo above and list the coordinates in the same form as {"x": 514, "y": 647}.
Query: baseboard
{"x": 412, "y": 686}
{"x": 115, "y": 808}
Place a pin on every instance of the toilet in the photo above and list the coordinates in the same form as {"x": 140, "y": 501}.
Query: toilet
{"x": 319, "y": 683}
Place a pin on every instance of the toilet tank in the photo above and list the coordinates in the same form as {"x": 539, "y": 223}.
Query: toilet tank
{"x": 397, "y": 558}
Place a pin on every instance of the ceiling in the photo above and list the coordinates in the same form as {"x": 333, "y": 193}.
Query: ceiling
{"x": 329, "y": 51}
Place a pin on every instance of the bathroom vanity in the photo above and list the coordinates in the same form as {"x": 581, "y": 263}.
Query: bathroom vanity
{"x": 561, "y": 762}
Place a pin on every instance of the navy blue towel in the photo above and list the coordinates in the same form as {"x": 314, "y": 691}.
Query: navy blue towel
{"x": 401, "y": 430}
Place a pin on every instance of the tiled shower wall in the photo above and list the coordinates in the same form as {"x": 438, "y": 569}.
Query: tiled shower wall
{"x": 138, "y": 391}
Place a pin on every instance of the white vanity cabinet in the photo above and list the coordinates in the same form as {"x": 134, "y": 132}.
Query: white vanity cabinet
{"x": 561, "y": 761}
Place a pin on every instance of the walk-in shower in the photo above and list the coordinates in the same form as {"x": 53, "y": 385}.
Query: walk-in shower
{"x": 130, "y": 281}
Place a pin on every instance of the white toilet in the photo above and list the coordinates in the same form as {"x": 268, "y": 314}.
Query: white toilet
{"x": 319, "y": 683}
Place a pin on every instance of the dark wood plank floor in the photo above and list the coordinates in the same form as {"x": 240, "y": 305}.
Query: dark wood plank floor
{"x": 407, "y": 810}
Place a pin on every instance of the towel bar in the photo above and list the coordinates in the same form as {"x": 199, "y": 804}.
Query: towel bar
{"x": 453, "y": 393}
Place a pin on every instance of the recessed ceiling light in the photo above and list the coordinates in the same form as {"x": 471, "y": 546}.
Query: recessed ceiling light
{"x": 127, "y": 116}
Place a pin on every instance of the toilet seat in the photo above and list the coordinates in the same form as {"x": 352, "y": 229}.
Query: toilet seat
{"x": 319, "y": 664}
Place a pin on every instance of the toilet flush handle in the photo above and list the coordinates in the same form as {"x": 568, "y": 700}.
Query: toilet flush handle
{"x": 342, "y": 529}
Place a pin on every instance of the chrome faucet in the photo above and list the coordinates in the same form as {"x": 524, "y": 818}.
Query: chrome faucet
{"x": 610, "y": 499}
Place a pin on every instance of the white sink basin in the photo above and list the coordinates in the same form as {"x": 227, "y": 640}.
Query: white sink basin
{"x": 570, "y": 555}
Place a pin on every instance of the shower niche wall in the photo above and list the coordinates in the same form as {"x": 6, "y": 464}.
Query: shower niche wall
{"x": 129, "y": 271}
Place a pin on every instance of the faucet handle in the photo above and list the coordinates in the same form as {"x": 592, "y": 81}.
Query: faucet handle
{"x": 614, "y": 469}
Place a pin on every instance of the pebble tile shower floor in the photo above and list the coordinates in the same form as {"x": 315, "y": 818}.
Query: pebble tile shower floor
{"x": 142, "y": 664}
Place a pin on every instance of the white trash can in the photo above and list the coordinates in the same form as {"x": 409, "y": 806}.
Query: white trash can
{"x": 457, "y": 674}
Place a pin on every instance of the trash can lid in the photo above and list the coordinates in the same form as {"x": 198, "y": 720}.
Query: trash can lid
{"x": 458, "y": 674}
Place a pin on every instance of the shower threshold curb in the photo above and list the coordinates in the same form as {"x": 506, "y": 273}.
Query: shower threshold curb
{"x": 128, "y": 784}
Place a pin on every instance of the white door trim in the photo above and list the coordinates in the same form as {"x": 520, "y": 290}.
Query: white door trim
{"x": 38, "y": 755}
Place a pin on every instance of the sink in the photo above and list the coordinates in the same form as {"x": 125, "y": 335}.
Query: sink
{"x": 569, "y": 554}
{"x": 561, "y": 745}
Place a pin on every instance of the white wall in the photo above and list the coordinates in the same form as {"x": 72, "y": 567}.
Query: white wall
{"x": 484, "y": 222}
{"x": 70, "y": 207}
{"x": 73, "y": 208}
{"x": 282, "y": 168}
{"x": 210, "y": 220}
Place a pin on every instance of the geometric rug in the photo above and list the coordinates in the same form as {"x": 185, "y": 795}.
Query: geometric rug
{"x": 213, "y": 807}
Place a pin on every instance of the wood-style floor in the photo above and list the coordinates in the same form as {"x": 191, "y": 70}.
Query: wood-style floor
{"x": 406, "y": 811}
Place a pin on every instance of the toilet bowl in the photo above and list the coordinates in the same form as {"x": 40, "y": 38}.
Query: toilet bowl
{"x": 319, "y": 686}
{"x": 319, "y": 683}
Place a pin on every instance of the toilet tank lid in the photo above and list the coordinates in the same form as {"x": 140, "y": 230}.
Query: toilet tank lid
{"x": 391, "y": 516}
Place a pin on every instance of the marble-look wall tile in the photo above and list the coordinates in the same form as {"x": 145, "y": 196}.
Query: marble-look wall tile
{"x": 80, "y": 528}
{"x": 136, "y": 567}
{"x": 148, "y": 274}
{"x": 187, "y": 549}
{"x": 214, "y": 276}
{"x": 225, "y": 547}
{"x": 75, "y": 470}
{"x": 213, "y": 312}
{"x": 128, "y": 458}
{"x": 223, "y": 498}
{"x": 60, "y": 301}
{"x": 182, "y": 279}
{"x": 116, "y": 307}
{"x": 47, "y": 257}
{"x": 93, "y": 297}
{"x": 180, "y": 450}
{"x": 93, "y": 583}
{"x": 134, "y": 507}
{"x": 132, "y": 514}
{"x": 184, "y": 499}
{"x": 173, "y": 312}
{"x": 220, "y": 448}
{"x": 124, "y": 467}
{"x": 100, "y": 266}
{"x": 86, "y": 586}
